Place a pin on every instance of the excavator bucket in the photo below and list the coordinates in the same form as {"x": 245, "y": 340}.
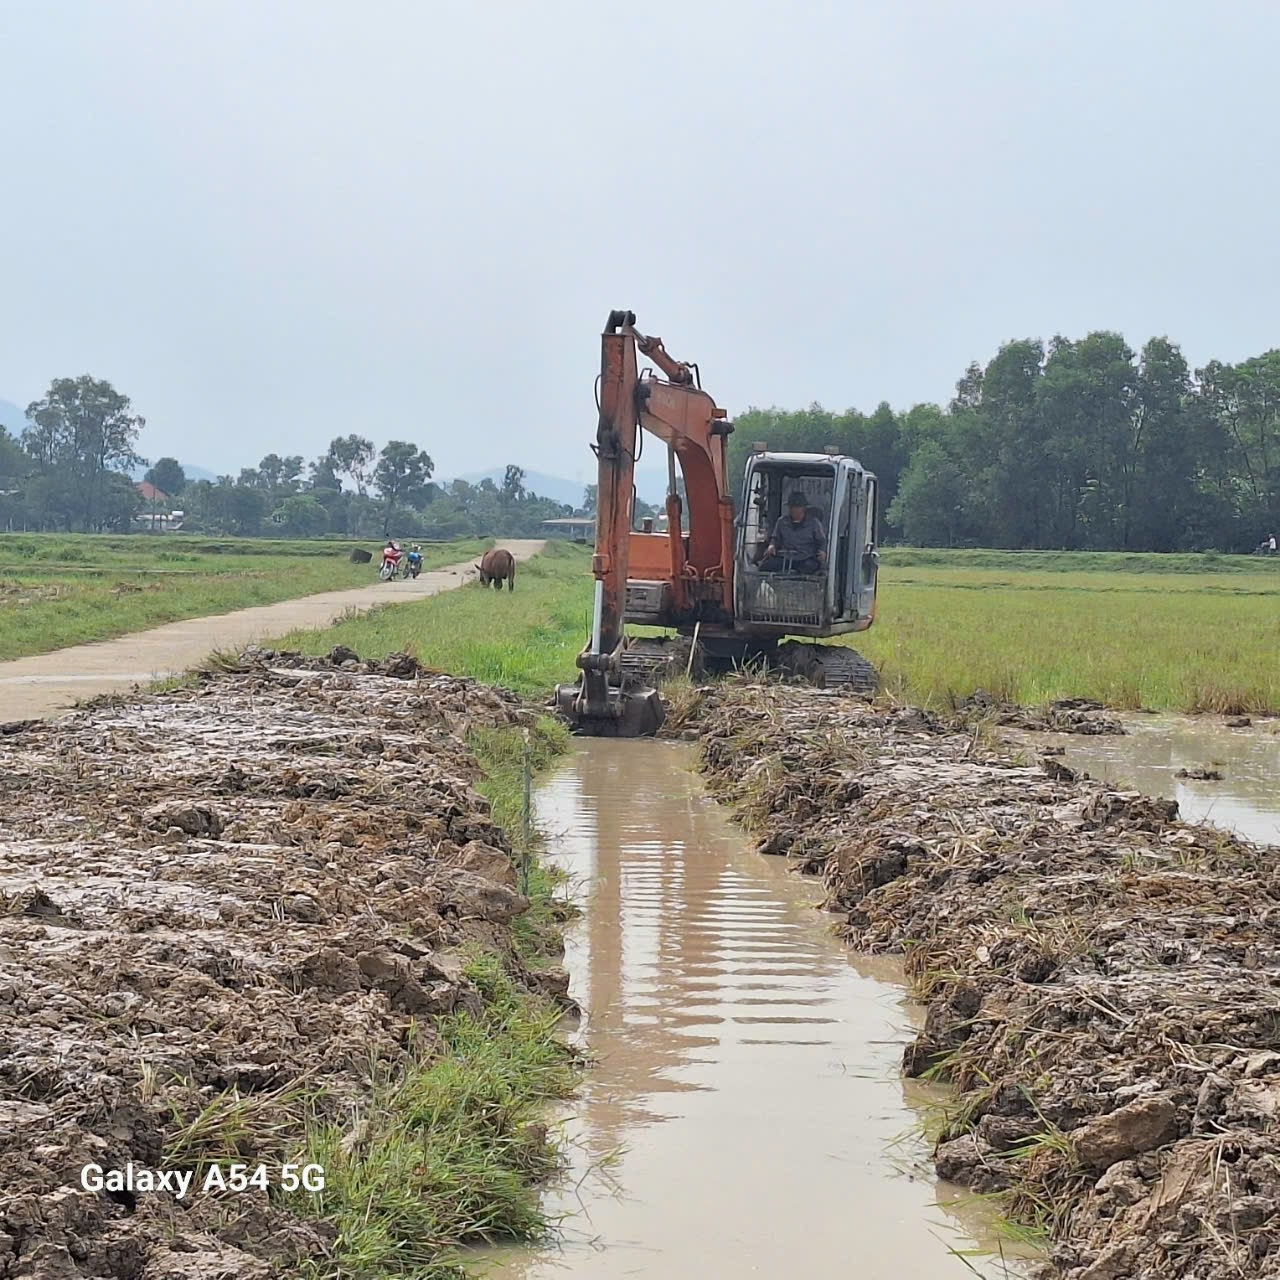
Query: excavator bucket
{"x": 626, "y": 713}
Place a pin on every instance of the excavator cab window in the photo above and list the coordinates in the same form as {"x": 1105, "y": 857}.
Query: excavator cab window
{"x": 766, "y": 504}
{"x": 756, "y": 516}
{"x": 782, "y": 596}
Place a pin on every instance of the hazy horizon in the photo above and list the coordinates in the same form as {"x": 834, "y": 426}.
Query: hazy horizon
{"x": 271, "y": 225}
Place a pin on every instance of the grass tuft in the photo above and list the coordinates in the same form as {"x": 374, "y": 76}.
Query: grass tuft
{"x": 453, "y": 1153}
{"x": 501, "y": 753}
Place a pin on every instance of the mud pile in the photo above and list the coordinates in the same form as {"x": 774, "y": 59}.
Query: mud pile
{"x": 221, "y": 907}
{"x": 1102, "y": 981}
{"x": 1066, "y": 715}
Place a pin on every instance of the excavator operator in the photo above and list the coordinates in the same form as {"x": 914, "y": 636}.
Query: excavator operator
{"x": 799, "y": 542}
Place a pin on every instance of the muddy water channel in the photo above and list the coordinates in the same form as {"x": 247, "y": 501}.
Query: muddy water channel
{"x": 745, "y": 1116}
{"x": 1149, "y": 756}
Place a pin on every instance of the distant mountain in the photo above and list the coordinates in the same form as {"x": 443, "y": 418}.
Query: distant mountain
{"x": 651, "y": 486}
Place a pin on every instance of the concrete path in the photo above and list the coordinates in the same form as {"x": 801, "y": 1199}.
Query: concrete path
{"x": 50, "y": 682}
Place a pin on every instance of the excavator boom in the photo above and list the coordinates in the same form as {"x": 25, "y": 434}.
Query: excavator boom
{"x": 678, "y": 412}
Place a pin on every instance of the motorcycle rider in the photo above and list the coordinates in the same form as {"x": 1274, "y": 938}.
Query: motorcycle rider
{"x": 391, "y": 554}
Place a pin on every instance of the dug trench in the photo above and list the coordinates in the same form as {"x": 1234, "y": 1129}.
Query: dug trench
{"x": 268, "y": 919}
{"x": 1100, "y": 978}
{"x": 743, "y": 1113}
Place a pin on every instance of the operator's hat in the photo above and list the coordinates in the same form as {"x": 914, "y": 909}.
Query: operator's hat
{"x": 797, "y": 499}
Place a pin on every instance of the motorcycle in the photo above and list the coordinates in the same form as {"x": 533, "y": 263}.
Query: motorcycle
{"x": 390, "y": 567}
{"x": 414, "y": 565}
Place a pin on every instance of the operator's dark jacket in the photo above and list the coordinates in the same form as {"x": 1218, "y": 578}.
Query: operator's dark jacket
{"x": 803, "y": 540}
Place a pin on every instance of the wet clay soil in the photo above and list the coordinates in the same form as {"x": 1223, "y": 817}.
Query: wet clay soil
{"x": 210, "y": 900}
{"x": 746, "y": 1116}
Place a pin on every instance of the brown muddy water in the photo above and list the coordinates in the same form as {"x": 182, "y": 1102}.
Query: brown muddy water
{"x": 745, "y": 1115}
{"x": 1154, "y": 748}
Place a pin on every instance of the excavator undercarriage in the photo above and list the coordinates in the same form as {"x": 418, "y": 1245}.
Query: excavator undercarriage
{"x": 652, "y": 661}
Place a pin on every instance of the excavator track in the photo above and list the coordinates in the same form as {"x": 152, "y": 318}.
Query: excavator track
{"x": 651, "y": 661}
{"x": 829, "y": 666}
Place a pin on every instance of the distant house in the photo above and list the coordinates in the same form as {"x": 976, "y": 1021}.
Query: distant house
{"x": 579, "y": 528}
{"x": 158, "y": 515}
{"x": 583, "y": 528}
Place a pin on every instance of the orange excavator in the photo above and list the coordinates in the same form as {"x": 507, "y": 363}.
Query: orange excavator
{"x": 706, "y": 576}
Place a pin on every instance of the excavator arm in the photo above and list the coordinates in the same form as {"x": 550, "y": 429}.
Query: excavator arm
{"x": 678, "y": 412}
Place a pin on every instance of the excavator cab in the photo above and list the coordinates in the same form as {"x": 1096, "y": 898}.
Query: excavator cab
{"x": 840, "y": 597}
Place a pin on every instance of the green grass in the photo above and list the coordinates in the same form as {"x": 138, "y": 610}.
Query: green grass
{"x": 1131, "y": 637}
{"x": 59, "y": 590}
{"x": 525, "y": 639}
{"x": 453, "y": 1153}
{"x": 502, "y": 756}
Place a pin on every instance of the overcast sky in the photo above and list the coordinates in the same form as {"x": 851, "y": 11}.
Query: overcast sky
{"x": 274, "y": 221}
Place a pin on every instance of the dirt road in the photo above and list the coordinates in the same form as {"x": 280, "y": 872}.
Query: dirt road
{"x": 50, "y": 682}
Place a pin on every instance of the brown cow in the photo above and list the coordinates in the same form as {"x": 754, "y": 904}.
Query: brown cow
{"x": 496, "y": 567}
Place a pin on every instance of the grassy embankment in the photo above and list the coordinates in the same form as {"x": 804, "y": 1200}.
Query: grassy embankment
{"x": 1178, "y": 633}
{"x": 454, "y": 1150}
{"x": 58, "y": 590}
{"x": 450, "y": 1153}
{"x": 446, "y": 1157}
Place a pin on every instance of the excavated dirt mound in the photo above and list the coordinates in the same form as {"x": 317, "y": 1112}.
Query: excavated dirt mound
{"x": 1066, "y": 715}
{"x": 1102, "y": 981}
{"x": 220, "y": 907}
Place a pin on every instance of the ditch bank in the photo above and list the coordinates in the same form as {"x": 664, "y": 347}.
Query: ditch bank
{"x": 1100, "y": 978}
{"x": 266, "y": 919}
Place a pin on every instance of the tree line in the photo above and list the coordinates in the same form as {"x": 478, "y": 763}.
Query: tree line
{"x": 1073, "y": 444}
{"x": 1077, "y": 444}
{"x": 355, "y": 490}
{"x": 70, "y": 469}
